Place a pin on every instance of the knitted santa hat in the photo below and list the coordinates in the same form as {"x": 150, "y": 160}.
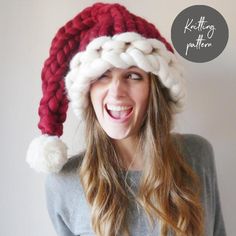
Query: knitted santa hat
{"x": 100, "y": 37}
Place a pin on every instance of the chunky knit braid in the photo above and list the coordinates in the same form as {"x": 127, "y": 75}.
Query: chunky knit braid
{"x": 54, "y": 104}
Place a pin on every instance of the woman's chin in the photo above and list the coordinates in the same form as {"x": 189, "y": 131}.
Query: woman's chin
{"x": 117, "y": 135}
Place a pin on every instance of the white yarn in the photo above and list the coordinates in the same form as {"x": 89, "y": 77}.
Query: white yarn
{"x": 128, "y": 59}
{"x": 141, "y": 60}
{"x": 157, "y": 45}
{"x": 113, "y": 58}
{"x": 122, "y": 51}
{"x": 127, "y": 37}
{"x": 117, "y": 46}
{"x": 47, "y": 154}
{"x": 97, "y": 43}
{"x": 143, "y": 46}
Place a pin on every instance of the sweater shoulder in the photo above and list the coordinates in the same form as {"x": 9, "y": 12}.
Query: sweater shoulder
{"x": 194, "y": 142}
{"x": 66, "y": 178}
{"x": 197, "y": 151}
{"x": 73, "y": 163}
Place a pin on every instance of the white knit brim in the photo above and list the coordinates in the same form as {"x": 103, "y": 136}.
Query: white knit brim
{"x": 47, "y": 154}
{"x": 123, "y": 51}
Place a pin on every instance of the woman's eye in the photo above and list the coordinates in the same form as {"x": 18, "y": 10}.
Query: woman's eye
{"x": 102, "y": 77}
{"x": 134, "y": 76}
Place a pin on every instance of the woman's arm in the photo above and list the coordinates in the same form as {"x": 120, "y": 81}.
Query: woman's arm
{"x": 199, "y": 153}
{"x": 219, "y": 226}
{"x": 55, "y": 205}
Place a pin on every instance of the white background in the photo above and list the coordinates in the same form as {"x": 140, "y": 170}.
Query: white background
{"x": 27, "y": 28}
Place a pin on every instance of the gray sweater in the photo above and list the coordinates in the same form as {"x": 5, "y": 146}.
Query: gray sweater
{"x": 70, "y": 213}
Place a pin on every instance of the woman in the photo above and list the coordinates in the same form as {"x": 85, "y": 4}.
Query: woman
{"x": 135, "y": 176}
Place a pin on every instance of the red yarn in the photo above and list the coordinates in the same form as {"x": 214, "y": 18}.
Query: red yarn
{"x": 98, "y": 20}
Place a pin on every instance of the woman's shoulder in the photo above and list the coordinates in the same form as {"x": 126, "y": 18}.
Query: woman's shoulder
{"x": 67, "y": 176}
{"x": 73, "y": 163}
{"x": 197, "y": 150}
{"x": 66, "y": 200}
{"x": 194, "y": 142}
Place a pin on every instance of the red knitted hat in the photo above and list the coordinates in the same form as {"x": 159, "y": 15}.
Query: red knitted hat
{"x": 100, "y": 37}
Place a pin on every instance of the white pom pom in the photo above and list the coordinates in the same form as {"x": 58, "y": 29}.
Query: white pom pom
{"x": 47, "y": 154}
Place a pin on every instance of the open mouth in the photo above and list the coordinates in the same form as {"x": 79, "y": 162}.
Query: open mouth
{"x": 119, "y": 112}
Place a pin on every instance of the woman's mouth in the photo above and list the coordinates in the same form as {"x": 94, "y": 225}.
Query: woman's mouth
{"x": 119, "y": 113}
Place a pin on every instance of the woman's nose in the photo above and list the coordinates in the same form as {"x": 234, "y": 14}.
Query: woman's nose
{"x": 117, "y": 87}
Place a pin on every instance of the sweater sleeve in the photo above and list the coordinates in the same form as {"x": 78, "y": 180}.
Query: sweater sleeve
{"x": 219, "y": 226}
{"x": 54, "y": 204}
{"x": 199, "y": 153}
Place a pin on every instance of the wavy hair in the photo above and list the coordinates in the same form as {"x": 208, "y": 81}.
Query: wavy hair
{"x": 168, "y": 189}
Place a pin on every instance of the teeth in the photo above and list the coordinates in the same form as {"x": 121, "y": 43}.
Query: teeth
{"x": 117, "y": 108}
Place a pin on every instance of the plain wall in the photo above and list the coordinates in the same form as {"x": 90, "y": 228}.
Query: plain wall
{"x": 27, "y": 28}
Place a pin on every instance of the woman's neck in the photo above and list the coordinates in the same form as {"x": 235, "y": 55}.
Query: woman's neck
{"x": 127, "y": 150}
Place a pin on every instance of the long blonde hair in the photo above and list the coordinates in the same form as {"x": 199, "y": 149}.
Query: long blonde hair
{"x": 168, "y": 188}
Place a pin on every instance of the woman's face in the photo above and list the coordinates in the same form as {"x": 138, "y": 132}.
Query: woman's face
{"x": 120, "y": 98}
